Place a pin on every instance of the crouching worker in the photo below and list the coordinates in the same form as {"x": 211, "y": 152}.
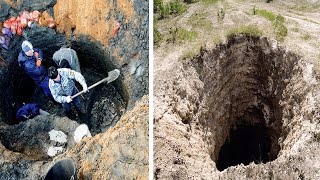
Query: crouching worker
{"x": 62, "y": 87}
{"x": 29, "y": 111}
{"x": 67, "y": 58}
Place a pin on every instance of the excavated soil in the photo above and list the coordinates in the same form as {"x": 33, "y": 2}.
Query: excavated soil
{"x": 91, "y": 17}
{"x": 245, "y": 109}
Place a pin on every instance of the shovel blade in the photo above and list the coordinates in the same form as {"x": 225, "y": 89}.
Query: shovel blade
{"x": 113, "y": 75}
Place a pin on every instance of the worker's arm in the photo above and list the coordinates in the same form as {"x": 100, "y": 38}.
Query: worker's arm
{"x": 39, "y": 52}
{"x": 22, "y": 114}
{"x": 33, "y": 69}
{"x": 55, "y": 93}
{"x": 34, "y": 109}
{"x": 77, "y": 76}
{"x": 39, "y": 55}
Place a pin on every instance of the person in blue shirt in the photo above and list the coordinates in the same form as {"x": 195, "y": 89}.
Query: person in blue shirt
{"x": 30, "y": 61}
{"x": 29, "y": 111}
{"x": 62, "y": 87}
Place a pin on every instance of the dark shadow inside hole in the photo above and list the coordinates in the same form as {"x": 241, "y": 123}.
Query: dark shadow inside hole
{"x": 246, "y": 144}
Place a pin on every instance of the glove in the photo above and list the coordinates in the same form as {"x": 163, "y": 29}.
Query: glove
{"x": 38, "y": 63}
{"x": 85, "y": 88}
{"x": 69, "y": 99}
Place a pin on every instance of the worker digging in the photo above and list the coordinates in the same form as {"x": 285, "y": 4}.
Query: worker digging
{"x": 57, "y": 84}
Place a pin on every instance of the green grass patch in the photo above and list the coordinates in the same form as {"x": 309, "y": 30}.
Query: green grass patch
{"x": 306, "y": 37}
{"x": 295, "y": 29}
{"x": 217, "y": 39}
{"x": 179, "y": 35}
{"x": 190, "y": 1}
{"x": 269, "y": 15}
{"x": 175, "y": 7}
{"x": 156, "y": 34}
{"x": 248, "y": 30}
{"x": 278, "y": 21}
{"x": 189, "y": 54}
{"x": 199, "y": 20}
{"x": 209, "y": 1}
{"x": 266, "y": 14}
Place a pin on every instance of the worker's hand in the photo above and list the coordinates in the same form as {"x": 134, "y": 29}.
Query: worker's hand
{"x": 69, "y": 99}
{"x": 38, "y": 63}
{"x": 85, "y": 88}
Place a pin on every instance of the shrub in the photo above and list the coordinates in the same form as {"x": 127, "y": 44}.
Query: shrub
{"x": 177, "y": 7}
{"x": 221, "y": 14}
{"x": 279, "y": 28}
{"x": 157, "y": 5}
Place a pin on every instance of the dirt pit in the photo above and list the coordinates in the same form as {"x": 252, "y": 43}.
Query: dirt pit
{"x": 243, "y": 85}
{"x": 233, "y": 108}
{"x": 102, "y": 106}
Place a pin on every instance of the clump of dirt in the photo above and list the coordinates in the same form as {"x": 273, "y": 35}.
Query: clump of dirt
{"x": 239, "y": 107}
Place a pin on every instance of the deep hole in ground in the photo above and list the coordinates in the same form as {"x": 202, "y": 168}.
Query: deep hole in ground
{"x": 247, "y": 143}
{"x": 240, "y": 112}
{"x": 103, "y": 105}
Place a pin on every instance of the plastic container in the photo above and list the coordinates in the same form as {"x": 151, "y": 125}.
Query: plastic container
{"x": 62, "y": 170}
{"x": 81, "y": 132}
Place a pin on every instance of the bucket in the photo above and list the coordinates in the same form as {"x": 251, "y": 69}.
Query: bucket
{"x": 81, "y": 132}
{"x": 62, "y": 170}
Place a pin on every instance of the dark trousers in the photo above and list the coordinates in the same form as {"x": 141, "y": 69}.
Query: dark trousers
{"x": 76, "y": 102}
{"x": 45, "y": 86}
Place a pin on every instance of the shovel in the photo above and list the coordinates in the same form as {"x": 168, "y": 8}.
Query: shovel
{"x": 112, "y": 75}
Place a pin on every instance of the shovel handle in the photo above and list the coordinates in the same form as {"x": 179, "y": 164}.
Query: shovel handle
{"x": 92, "y": 86}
